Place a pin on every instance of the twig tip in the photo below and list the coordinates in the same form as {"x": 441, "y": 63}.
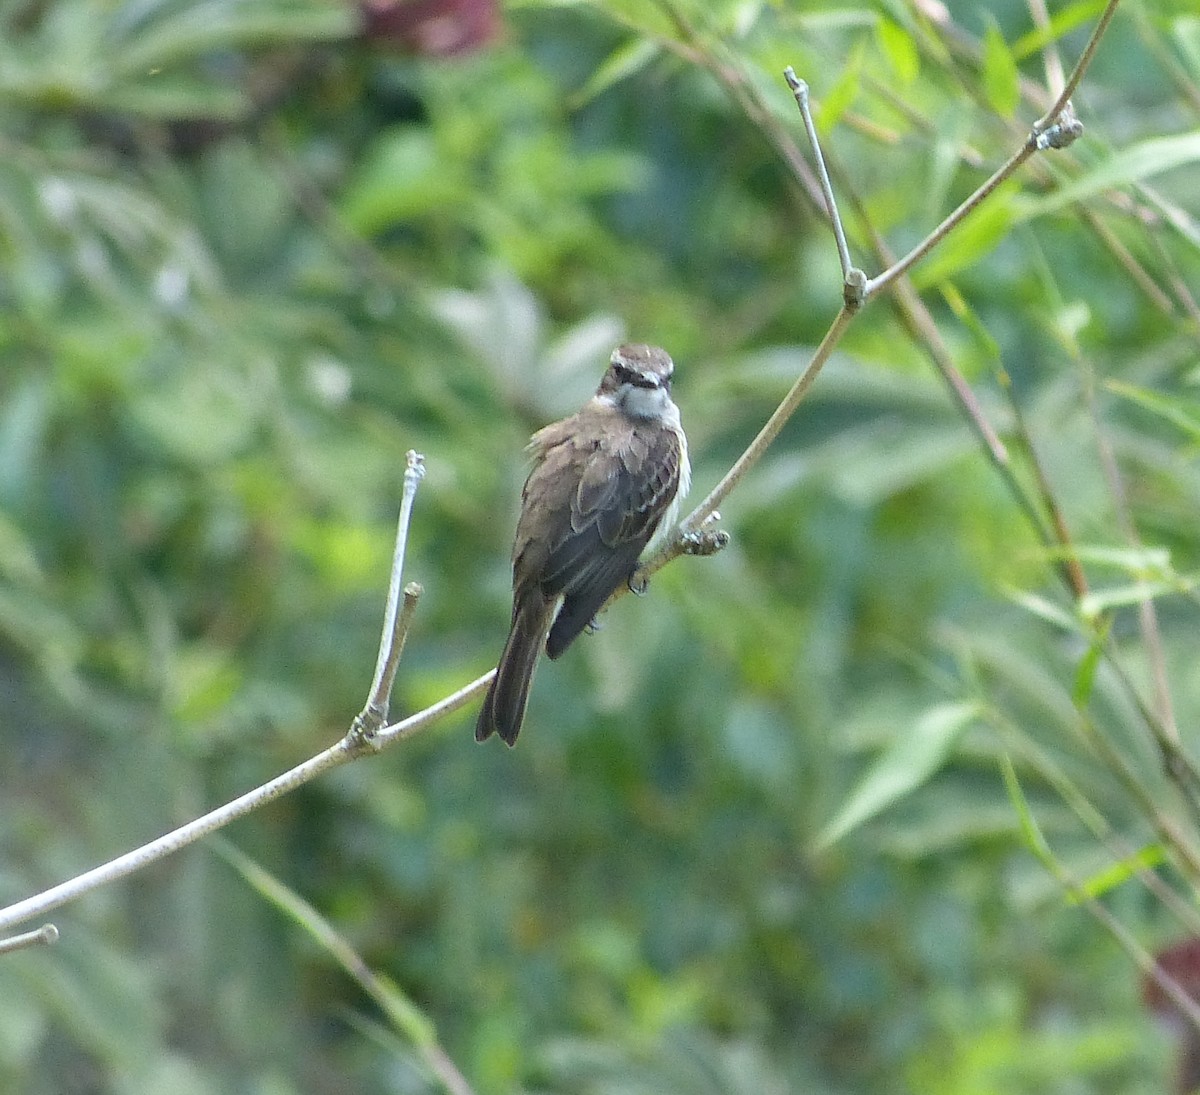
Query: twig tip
{"x": 41, "y": 937}
{"x": 414, "y": 462}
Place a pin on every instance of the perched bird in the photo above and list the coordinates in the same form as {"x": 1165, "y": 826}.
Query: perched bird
{"x": 602, "y": 482}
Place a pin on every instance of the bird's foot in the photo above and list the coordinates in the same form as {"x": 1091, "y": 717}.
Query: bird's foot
{"x": 706, "y": 540}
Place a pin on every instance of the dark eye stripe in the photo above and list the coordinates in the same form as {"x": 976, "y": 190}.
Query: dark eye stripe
{"x": 638, "y": 379}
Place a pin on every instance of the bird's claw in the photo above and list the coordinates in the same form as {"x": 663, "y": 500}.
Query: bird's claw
{"x": 704, "y": 542}
{"x": 638, "y": 583}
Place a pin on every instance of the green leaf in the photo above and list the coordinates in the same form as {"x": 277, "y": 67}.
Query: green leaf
{"x": 907, "y": 763}
{"x": 1044, "y": 609}
{"x": 626, "y": 60}
{"x": 1062, "y": 22}
{"x": 1169, "y": 408}
{"x": 841, "y": 95}
{"x": 1035, "y": 841}
{"x": 193, "y": 30}
{"x": 1001, "y": 78}
{"x": 1116, "y": 874}
{"x": 202, "y": 418}
{"x": 1092, "y": 604}
{"x": 1085, "y": 674}
{"x": 179, "y": 96}
{"x": 404, "y": 1015}
{"x": 1186, "y": 32}
{"x": 1144, "y": 561}
{"x": 898, "y": 47}
{"x": 973, "y": 239}
{"x": 205, "y": 679}
{"x": 970, "y": 319}
{"x": 403, "y": 177}
{"x": 1139, "y": 161}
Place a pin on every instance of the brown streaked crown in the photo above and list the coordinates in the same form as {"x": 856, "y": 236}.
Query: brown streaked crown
{"x": 639, "y": 364}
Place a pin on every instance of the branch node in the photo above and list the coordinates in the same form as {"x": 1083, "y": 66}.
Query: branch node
{"x": 1063, "y": 132}
{"x": 854, "y": 289}
{"x": 361, "y": 737}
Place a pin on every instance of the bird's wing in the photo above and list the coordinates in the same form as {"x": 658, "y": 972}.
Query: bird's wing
{"x": 624, "y": 490}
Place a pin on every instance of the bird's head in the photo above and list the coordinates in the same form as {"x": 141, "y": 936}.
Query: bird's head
{"x": 638, "y": 380}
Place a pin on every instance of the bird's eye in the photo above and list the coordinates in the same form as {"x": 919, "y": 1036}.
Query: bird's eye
{"x": 622, "y": 372}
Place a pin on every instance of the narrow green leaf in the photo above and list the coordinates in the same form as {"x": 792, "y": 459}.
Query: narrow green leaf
{"x": 179, "y": 96}
{"x": 403, "y": 1013}
{"x": 1047, "y": 610}
{"x": 1085, "y": 674}
{"x": 968, "y": 317}
{"x": 1133, "y": 164}
{"x": 1169, "y": 408}
{"x": 1062, "y": 22}
{"x": 841, "y": 95}
{"x": 624, "y": 61}
{"x": 187, "y": 31}
{"x": 1116, "y": 874}
{"x": 1145, "y": 561}
{"x": 1186, "y": 33}
{"x": 899, "y": 49}
{"x": 1030, "y": 830}
{"x": 907, "y": 763}
{"x": 1001, "y": 78}
{"x": 1101, "y": 600}
{"x": 972, "y": 240}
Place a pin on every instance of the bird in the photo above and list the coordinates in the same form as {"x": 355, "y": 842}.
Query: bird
{"x": 602, "y": 482}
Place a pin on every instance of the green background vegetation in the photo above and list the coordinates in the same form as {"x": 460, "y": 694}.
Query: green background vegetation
{"x": 755, "y": 837}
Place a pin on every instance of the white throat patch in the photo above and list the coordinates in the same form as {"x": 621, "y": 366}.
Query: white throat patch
{"x": 643, "y": 402}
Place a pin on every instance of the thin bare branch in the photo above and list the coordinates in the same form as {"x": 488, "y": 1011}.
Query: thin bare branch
{"x": 754, "y": 451}
{"x": 800, "y": 91}
{"x": 42, "y": 937}
{"x": 333, "y": 757}
{"x": 1061, "y": 102}
{"x": 395, "y": 620}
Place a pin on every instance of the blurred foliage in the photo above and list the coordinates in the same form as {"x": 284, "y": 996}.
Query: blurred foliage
{"x": 755, "y": 837}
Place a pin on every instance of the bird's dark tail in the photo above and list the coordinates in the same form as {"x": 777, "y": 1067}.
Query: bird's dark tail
{"x": 504, "y": 708}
